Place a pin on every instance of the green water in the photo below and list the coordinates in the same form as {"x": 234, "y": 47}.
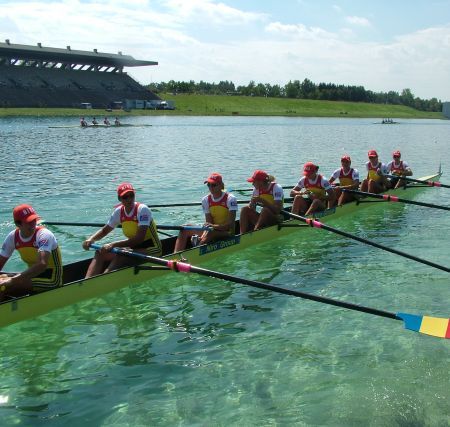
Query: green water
{"x": 194, "y": 351}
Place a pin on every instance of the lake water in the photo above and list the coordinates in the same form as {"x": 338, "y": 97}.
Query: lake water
{"x": 195, "y": 351}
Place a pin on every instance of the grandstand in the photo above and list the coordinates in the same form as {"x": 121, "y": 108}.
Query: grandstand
{"x": 37, "y": 76}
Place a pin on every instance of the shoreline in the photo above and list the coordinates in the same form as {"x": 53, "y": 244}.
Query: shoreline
{"x": 222, "y": 105}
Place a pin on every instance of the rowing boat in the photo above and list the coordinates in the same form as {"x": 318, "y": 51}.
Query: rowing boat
{"x": 100, "y": 125}
{"x": 76, "y": 288}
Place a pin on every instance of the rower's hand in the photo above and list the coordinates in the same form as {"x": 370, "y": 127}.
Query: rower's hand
{"x": 87, "y": 244}
{"x": 259, "y": 201}
{"x": 106, "y": 248}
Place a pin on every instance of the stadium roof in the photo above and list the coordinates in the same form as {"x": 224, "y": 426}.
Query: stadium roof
{"x": 68, "y": 55}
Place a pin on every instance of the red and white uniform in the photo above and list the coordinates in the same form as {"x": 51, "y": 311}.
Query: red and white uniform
{"x": 397, "y": 168}
{"x": 372, "y": 170}
{"x": 42, "y": 240}
{"x": 219, "y": 208}
{"x": 345, "y": 178}
{"x": 273, "y": 194}
{"x": 140, "y": 215}
{"x": 319, "y": 186}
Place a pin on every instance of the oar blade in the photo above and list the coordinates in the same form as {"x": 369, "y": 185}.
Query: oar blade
{"x": 434, "y": 326}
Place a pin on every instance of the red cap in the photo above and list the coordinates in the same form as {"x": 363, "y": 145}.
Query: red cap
{"x": 396, "y": 154}
{"x": 124, "y": 188}
{"x": 258, "y": 175}
{"x": 214, "y": 178}
{"x": 346, "y": 158}
{"x": 372, "y": 153}
{"x": 24, "y": 213}
{"x": 309, "y": 168}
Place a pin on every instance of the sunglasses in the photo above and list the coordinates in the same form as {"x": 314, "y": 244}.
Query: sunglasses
{"x": 210, "y": 184}
{"x": 127, "y": 196}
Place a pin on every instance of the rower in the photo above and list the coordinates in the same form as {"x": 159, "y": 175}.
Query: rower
{"x": 269, "y": 196}
{"x": 220, "y": 209}
{"x": 398, "y": 167}
{"x": 138, "y": 227}
{"x": 106, "y": 121}
{"x": 348, "y": 178}
{"x": 319, "y": 193}
{"x": 376, "y": 182}
{"x": 117, "y": 122}
{"x": 38, "y": 248}
{"x": 94, "y": 121}
{"x": 83, "y": 123}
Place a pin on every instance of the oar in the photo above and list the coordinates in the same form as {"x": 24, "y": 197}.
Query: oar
{"x": 390, "y": 198}
{"x": 434, "y": 326}
{"x": 430, "y": 183}
{"x": 172, "y": 205}
{"x": 246, "y": 190}
{"x": 159, "y": 227}
{"x": 317, "y": 224}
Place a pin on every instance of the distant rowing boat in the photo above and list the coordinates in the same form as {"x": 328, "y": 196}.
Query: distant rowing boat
{"x": 76, "y": 288}
{"x": 386, "y": 123}
{"x": 100, "y": 125}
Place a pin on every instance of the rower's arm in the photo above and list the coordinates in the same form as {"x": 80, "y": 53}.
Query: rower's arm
{"x": 39, "y": 267}
{"x": 104, "y": 231}
{"x": 295, "y": 191}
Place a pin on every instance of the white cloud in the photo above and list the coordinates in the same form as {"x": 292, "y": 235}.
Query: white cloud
{"x": 217, "y": 13}
{"x": 273, "y": 52}
{"x": 358, "y": 20}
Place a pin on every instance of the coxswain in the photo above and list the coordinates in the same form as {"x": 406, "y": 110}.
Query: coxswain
{"x": 398, "y": 167}
{"x": 220, "y": 209}
{"x": 313, "y": 192}
{"x": 267, "y": 197}
{"x": 138, "y": 227}
{"x": 348, "y": 178}
{"x": 117, "y": 122}
{"x": 106, "y": 121}
{"x": 83, "y": 123}
{"x": 94, "y": 121}
{"x": 38, "y": 248}
{"x": 376, "y": 181}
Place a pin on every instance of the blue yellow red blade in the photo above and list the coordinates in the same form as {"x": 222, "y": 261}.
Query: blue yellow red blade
{"x": 434, "y": 326}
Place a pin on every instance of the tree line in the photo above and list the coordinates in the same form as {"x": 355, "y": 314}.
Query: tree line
{"x": 301, "y": 90}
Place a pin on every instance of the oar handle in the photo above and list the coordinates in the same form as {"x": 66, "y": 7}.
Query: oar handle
{"x": 317, "y": 224}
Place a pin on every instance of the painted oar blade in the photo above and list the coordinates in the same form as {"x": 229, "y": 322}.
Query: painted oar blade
{"x": 434, "y": 326}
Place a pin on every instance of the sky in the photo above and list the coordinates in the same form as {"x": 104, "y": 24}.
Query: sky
{"x": 381, "y": 45}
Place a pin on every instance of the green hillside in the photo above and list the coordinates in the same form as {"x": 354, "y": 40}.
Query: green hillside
{"x": 222, "y": 105}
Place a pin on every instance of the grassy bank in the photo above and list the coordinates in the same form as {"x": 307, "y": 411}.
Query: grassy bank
{"x": 209, "y": 105}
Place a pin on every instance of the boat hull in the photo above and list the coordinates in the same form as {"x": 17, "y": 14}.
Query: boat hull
{"x": 77, "y": 289}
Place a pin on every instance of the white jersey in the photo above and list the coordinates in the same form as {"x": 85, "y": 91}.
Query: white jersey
{"x": 277, "y": 192}
{"x": 325, "y": 184}
{"x": 392, "y": 166}
{"x": 337, "y": 174}
{"x": 45, "y": 240}
{"x": 383, "y": 168}
{"x": 144, "y": 215}
{"x": 231, "y": 202}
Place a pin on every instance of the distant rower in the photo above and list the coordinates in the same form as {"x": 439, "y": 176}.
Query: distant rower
{"x": 398, "y": 167}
